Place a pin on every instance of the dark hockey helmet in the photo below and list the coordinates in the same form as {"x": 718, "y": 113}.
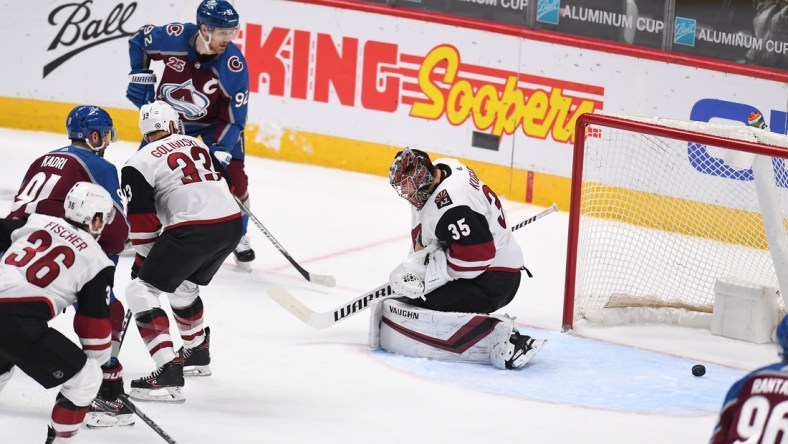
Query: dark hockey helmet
{"x": 217, "y": 14}
{"x": 782, "y": 337}
{"x": 411, "y": 175}
{"x": 83, "y": 120}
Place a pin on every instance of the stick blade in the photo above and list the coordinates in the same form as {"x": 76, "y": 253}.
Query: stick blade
{"x": 289, "y": 303}
{"x": 322, "y": 279}
{"x": 299, "y": 310}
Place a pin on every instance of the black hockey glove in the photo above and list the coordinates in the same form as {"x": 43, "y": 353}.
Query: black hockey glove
{"x": 112, "y": 381}
{"x": 136, "y": 265}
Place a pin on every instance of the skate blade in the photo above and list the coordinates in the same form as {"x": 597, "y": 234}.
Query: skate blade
{"x": 197, "y": 370}
{"x": 535, "y": 347}
{"x": 172, "y": 395}
{"x": 95, "y": 420}
{"x": 245, "y": 266}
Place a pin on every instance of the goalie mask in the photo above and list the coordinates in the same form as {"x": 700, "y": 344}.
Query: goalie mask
{"x": 411, "y": 175}
{"x": 89, "y": 206}
{"x": 157, "y": 116}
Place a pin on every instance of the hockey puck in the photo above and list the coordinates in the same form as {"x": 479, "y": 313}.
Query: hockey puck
{"x": 698, "y": 370}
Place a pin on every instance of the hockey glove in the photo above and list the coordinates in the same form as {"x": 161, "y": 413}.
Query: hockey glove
{"x": 112, "y": 381}
{"x": 142, "y": 87}
{"x": 408, "y": 278}
{"x": 437, "y": 272}
{"x": 223, "y": 157}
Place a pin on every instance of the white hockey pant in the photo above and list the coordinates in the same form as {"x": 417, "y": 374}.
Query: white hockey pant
{"x": 142, "y": 296}
{"x": 84, "y": 386}
{"x": 184, "y": 295}
{"x": 446, "y": 336}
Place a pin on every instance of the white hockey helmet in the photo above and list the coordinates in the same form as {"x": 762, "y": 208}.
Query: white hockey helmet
{"x": 89, "y": 206}
{"x": 157, "y": 116}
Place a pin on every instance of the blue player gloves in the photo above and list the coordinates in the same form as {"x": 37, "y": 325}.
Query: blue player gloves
{"x": 142, "y": 87}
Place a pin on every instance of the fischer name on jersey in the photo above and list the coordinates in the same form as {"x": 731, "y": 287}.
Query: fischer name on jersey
{"x": 466, "y": 215}
{"x": 204, "y": 90}
{"x": 49, "y": 265}
{"x": 170, "y": 183}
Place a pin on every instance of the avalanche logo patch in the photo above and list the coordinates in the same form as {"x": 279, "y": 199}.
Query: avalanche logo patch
{"x": 186, "y": 100}
{"x": 174, "y": 29}
{"x": 235, "y": 64}
{"x": 443, "y": 199}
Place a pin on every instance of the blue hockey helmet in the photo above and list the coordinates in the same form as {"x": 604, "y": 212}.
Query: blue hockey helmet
{"x": 84, "y": 119}
{"x": 782, "y": 337}
{"x": 217, "y": 14}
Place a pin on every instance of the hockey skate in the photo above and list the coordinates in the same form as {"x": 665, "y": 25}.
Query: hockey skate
{"x": 196, "y": 360}
{"x": 525, "y": 347}
{"x": 103, "y": 413}
{"x": 163, "y": 385}
{"x": 50, "y": 435}
{"x": 244, "y": 254}
{"x": 516, "y": 352}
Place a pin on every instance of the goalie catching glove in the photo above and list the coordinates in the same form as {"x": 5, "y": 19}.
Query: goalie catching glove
{"x": 421, "y": 273}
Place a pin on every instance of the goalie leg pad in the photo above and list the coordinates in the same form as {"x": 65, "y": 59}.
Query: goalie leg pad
{"x": 422, "y": 333}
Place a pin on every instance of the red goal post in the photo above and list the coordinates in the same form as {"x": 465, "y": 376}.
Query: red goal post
{"x": 660, "y": 209}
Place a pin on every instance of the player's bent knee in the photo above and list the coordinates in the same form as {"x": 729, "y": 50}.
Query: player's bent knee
{"x": 84, "y": 386}
{"x": 141, "y": 296}
{"x": 185, "y": 295}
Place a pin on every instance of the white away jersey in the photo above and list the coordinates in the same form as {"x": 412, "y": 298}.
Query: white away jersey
{"x": 51, "y": 261}
{"x": 172, "y": 182}
{"x": 466, "y": 215}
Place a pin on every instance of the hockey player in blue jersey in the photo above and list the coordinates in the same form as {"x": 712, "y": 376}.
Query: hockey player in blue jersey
{"x": 205, "y": 79}
{"x": 43, "y": 191}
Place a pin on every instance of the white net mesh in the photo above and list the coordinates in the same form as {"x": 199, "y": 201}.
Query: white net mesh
{"x": 661, "y": 219}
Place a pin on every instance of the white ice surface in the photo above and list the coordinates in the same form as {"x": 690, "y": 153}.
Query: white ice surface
{"x": 276, "y": 380}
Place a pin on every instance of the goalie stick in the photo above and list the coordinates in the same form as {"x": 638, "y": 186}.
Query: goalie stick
{"x": 326, "y": 319}
{"x": 320, "y": 279}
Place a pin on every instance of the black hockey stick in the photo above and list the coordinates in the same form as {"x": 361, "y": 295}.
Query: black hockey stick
{"x": 123, "y": 328}
{"x": 320, "y": 279}
{"x": 326, "y": 319}
{"x": 125, "y": 397}
{"x": 146, "y": 419}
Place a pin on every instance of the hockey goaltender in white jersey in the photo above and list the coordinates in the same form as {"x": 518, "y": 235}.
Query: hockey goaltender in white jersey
{"x": 465, "y": 264}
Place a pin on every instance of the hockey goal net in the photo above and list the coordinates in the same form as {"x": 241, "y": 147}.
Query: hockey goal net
{"x": 661, "y": 209}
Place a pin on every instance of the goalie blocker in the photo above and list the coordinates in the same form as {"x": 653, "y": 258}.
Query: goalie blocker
{"x": 417, "y": 332}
